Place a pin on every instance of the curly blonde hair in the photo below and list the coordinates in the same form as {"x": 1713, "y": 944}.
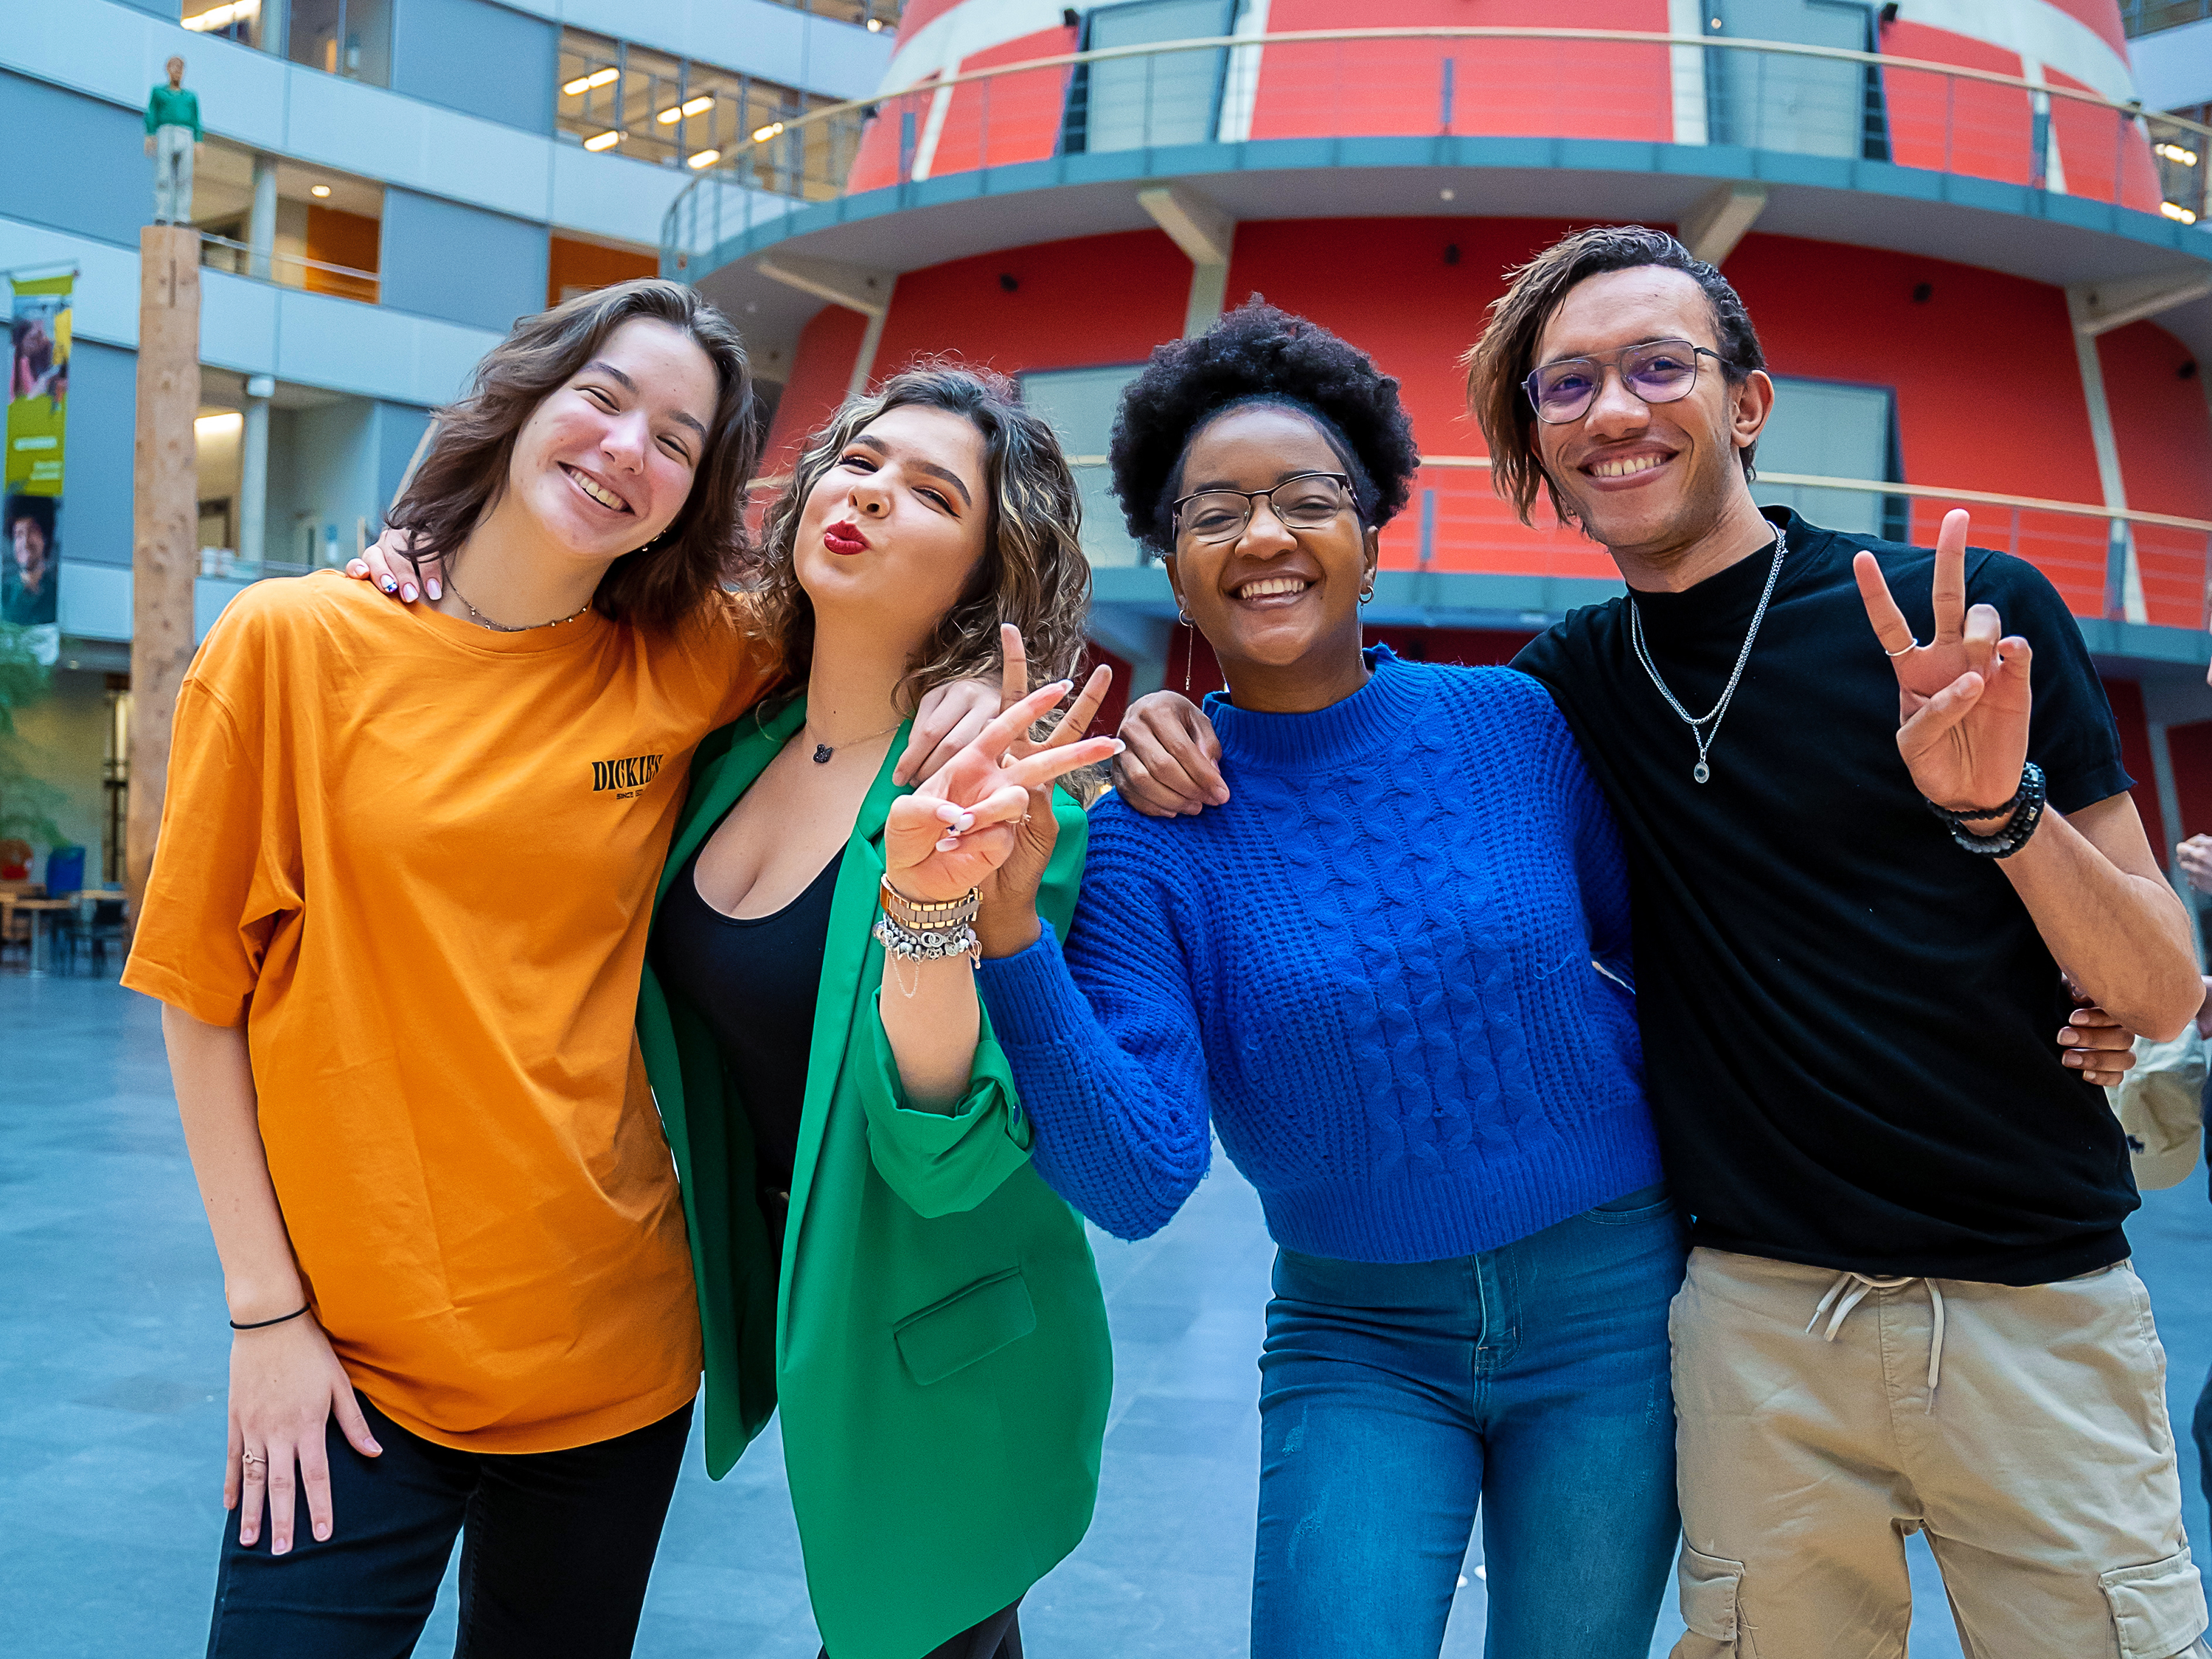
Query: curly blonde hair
{"x": 1032, "y": 574}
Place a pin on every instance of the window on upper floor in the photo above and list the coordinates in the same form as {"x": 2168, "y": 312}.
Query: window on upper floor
{"x": 348, "y": 38}
{"x": 2150, "y": 17}
{"x": 678, "y": 111}
{"x": 1079, "y": 402}
{"x": 325, "y": 234}
{"x": 243, "y": 21}
{"x": 1825, "y": 429}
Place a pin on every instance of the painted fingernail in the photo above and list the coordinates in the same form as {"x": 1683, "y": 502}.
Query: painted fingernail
{"x": 388, "y": 584}
{"x": 1119, "y": 746}
{"x": 407, "y": 592}
{"x": 436, "y": 592}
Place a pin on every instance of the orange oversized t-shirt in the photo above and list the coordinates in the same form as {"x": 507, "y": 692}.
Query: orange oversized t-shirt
{"x": 417, "y": 859}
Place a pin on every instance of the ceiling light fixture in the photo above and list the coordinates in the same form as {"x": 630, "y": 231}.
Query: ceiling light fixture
{"x": 585, "y": 82}
{"x": 218, "y": 426}
{"x": 2174, "y": 210}
{"x": 675, "y": 112}
{"x": 2176, "y": 153}
{"x": 319, "y": 191}
{"x": 606, "y": 140}
{"x": 761, "y": 134}
{"x": 222, "y": 17}
{"x": 705, "y": 158}
{"x": 875, "y": 26}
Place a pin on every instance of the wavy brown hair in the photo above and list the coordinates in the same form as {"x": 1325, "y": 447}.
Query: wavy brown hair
{"x": 1502, "y": 359}
{"x": 668, "y": 580}
{"x": 1032, "y": 572}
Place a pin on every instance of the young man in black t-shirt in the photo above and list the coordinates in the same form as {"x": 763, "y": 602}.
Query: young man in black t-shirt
{"x": 1910, "y": 1304}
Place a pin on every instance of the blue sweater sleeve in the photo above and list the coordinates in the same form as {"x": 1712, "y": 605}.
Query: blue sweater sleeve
{"x": 1105, "y": 1044}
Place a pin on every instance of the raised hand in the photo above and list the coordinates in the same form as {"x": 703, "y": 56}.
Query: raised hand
{"x": 1173, "y": 765}
{"x": 1962, "y": 698}
{"x": 963, "y": 823}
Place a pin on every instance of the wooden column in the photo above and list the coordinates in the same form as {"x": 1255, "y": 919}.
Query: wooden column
{"x": 165, "y": 556}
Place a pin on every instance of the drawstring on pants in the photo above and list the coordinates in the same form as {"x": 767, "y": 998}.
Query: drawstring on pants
{"x": 1866, "y": 1282}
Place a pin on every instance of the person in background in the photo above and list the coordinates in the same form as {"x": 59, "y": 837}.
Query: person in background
{"x": 29, "y": 594}
{"x": 172, "y": 136}
{"x": 1858, "y": 871}
{"x": 398, "y": 916}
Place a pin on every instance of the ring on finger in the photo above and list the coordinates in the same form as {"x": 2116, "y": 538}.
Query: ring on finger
{"x": 251, "y": 1458}
{"x": 1911, "y": 644}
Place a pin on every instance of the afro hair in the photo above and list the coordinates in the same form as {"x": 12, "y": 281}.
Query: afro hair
{"x": 1258, "y": 354}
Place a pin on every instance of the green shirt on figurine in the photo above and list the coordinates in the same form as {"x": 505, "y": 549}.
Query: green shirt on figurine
{"x": 174, "y": 106}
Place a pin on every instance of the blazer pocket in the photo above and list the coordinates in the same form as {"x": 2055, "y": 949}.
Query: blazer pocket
{"x": 970, "y": 1324}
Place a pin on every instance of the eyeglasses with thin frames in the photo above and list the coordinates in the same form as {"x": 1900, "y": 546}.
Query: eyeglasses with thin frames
{"x": 1308, "y": 500}
{"x": 1656, "y": 371}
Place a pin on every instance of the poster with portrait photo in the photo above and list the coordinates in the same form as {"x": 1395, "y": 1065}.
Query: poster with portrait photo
{"x": 38, "y": 417}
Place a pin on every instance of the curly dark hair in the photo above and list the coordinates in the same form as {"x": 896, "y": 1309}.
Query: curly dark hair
{"x": 1258, "y": 354}
{"x": 671, "y": 580}
{"x": 1032, "y": 573}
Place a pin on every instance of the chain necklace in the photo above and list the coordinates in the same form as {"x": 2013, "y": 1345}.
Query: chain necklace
{"x": 1705, "y": 728}
{"x": 823, "y": 753}
{"x": 483, "y": 621}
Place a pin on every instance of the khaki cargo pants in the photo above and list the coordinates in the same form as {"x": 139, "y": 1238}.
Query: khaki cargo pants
{"x": 2041, "y": 1466}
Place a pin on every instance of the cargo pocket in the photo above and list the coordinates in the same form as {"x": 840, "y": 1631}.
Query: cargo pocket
{"x": 971, "y": 1324}
{"x": 2159, "y": 1609}
{"x": 1710, "y": 1586}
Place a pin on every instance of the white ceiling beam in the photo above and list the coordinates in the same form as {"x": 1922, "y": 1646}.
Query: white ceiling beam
{"x": 854, "y": 287}
{"x": 2100, "y": 307}
{"x": 1196, "y": 224}
{"x": 1711, "y": 230}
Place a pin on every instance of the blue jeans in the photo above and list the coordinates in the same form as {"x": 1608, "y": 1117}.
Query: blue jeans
{"x": 1533, "y": 1377}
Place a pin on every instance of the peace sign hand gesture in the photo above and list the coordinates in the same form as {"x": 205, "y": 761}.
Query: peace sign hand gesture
{"x": 961, "y": 825}
{"x": 1962, "y": 698}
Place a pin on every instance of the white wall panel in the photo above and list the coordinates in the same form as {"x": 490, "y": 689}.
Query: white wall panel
{"x": 440, "y": 152}
{"x": 612, "y": 195}
{"x": 371, "y": 349}
{"x": 94, "y": 601}
{"x": 2174, "y": 66}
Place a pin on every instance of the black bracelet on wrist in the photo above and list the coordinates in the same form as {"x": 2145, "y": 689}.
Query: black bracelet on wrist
{"x": 2026, "y": 807}
{"x": 264, "y": 1324}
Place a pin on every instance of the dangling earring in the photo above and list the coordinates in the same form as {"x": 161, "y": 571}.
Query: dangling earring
{"x": 1189, "y": 650}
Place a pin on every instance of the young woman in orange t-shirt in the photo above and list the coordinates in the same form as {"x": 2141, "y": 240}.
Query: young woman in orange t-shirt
{"x": 452, "y": 1242}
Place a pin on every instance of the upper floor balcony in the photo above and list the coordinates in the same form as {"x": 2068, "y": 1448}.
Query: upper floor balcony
{"x": 1024, "y": 116}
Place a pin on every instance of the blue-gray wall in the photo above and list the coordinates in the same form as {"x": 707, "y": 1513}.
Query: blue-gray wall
{"x": 460, "y": 263}
{"x": 171, "y": 10}
{"x": 478, "y": 58}
{"x": 74, "y": 163}
{"x": 103, "y": 401}
{"x": 399, "y": 427}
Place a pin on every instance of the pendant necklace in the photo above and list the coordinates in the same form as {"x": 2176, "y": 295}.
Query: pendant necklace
{"x": 1705, "y": 728}
{"x": 825, "y": 753}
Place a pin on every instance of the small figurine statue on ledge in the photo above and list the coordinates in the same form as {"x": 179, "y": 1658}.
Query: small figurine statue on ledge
{"x": 173, "y": 131}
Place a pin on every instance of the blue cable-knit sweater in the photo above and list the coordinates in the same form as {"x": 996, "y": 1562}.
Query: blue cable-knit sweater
{"x": 1373, "y": 970}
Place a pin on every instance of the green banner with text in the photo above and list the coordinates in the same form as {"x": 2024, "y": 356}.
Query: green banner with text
{"x": 38, "y": 412}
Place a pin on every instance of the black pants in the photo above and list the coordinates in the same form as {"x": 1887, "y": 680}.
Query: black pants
{"x": 998, "y": 1636}
{"x": 555, "y": 1550}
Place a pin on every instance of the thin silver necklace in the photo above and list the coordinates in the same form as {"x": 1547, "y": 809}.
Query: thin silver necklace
{"x": 483, "y": 621}
{"x": 1703, "y": 728}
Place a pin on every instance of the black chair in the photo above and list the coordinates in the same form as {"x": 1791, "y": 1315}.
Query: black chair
{"x": 95, "y": 923}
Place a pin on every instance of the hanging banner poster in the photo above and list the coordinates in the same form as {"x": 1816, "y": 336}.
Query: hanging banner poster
{"x": 38, "y": 406}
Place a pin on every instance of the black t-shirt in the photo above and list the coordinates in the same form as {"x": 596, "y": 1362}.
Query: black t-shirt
{"x": 1848, "y": 1020}
{"x": 753, "y": 980}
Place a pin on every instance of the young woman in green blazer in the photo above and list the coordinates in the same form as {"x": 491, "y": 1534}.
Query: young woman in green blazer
{"x": 873, "y": 1250}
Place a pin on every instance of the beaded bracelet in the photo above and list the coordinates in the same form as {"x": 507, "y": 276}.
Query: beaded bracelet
{"x": 2026, "y": 807}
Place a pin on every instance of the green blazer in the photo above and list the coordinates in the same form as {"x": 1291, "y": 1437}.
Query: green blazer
{"x": 936, "y": 1337}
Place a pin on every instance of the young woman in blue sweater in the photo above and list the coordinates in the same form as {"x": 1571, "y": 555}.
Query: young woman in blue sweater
{"x": 1391, "y": 973}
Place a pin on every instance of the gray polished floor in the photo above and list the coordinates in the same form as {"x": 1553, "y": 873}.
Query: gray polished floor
{"x": 112, "y": 1366}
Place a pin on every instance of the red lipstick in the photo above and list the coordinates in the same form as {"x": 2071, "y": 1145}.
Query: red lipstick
{"x": 845, "y": 538}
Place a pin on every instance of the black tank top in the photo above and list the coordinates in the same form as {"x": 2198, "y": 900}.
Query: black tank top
{"x": 753, "y": 982}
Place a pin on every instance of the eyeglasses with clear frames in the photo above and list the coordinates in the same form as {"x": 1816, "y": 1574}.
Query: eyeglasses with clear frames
{"x": 1656, "y": 371}
{"x": 1306, "y": 501}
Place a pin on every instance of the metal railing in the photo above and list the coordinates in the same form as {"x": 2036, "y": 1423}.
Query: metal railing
{"x": 2125, "y": 565}
{"x": 1449, "y": 83}
{"x": 342, "y": 280}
